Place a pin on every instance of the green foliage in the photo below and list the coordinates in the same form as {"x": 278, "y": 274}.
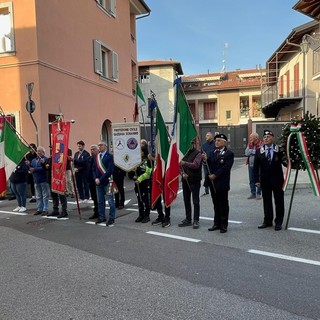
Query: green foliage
{"x": 311, "y": 129}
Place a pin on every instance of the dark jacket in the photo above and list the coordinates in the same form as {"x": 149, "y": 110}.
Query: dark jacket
{"x": 220, "y": 165}
{"x": 194, "y": 174}
{"x": 81, "y": 161}
{"x": 268, "y": 174}
{"x": 20, "y": 174}
{"x": 109, "y": 166}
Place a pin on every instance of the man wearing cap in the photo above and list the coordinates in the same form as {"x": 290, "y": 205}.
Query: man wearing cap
{"x": 220, "y": 162}
{"x": 269, "y": 176}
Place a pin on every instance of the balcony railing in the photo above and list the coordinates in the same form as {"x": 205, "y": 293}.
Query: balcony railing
{"x": 270, "y": 94}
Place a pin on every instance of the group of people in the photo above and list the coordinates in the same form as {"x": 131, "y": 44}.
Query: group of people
{"x": 96, "y": 176}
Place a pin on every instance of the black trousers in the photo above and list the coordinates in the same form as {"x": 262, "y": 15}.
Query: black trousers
{"x": 56, "y": 197}
{"x": 278, "y": 195}
{"x": 158, "y": 207}
{"x": 221, "y": 207}
{"x": 194, "y": 190}
{"x": 142, "y": 192}
{"x": 119, "y": 196}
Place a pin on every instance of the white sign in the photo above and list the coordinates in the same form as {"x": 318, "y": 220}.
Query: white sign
{"x": 126, "y": 145}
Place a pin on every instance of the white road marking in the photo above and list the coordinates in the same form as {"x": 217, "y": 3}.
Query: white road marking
{"x": 16, "y": 213}
{"x": 173, "y": 236}
{"x": 304, "y": 230}
{"x": 211, "y": 219}
{"x": 284, "y": 257}
{"x": 99, "y": 224}
{"x": 136, "y": 210}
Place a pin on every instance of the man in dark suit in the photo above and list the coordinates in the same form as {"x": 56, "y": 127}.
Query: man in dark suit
{"x": 80, "y": 161}
{"x": 268, "y": 175}
{"x": 102, "y": 170}
{"x": 220, "y": 162}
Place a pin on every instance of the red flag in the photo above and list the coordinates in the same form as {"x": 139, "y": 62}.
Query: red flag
{"x": 60, "y": 145}
{"x": 162, "y": 150}
{"x": 172, "y": 174}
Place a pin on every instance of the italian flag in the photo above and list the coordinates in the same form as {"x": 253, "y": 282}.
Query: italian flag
{"x": 140, "y": 101}
{"x": 12, "y": 150}
{"x": 162, "y": 151}
{"x": 184, "y": 131}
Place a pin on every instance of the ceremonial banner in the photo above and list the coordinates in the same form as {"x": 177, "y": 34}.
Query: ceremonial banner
{"x": 126, "y": 145}
{"x": 60, "y": 144}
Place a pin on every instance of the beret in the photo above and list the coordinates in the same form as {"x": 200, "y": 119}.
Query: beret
{"x": 221, "y": 136}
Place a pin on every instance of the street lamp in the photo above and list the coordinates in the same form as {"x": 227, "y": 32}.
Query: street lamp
{"x": 31, "y": 106}
{"x": 304, "y": 46}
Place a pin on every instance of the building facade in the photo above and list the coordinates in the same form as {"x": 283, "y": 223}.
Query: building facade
{"x": 293, "y": 72}
{"x": 81, "y": 59}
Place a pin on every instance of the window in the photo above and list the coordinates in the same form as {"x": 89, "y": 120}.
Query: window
{"x": 228, "y": 114}
{"x": 144, "y": 75}
{"x": 105, "y": 61}
{"x": 108, "y": 5}
{"x": 192, "y": 107}
{"x": 6, "y": 28}
{"x": 208, "y": 110}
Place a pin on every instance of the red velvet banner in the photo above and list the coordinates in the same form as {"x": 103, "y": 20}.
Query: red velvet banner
{"x": 60, "y": 143}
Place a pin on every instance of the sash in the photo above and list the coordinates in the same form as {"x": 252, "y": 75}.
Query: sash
{"x": 100, "y": 165}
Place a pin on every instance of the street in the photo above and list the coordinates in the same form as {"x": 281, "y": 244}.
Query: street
{"x": 74, "y": 269}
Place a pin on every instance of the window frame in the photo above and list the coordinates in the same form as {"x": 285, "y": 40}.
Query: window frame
{"x": 9, "y": 7}
{"x": 108, "y": 6}
{"x": 105, "y": 61}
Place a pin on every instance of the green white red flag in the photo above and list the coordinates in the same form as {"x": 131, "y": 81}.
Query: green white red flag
{"x": 184, "y": 131}
{"x": 162, "y": 151}
{"x": 140, "y": 101}
{"x": 12, "y": 150}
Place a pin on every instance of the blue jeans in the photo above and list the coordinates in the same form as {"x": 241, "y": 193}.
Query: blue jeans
{"x": 42, "y": 196}
{"x": 102, "y": 197}
{"x": 19, "y": 189}
{"x": 254, "y": 190}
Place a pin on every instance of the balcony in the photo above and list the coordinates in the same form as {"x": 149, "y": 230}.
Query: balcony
{"x": 274, "y": 99}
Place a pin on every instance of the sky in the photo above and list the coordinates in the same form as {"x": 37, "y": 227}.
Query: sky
{"x": 208, "y": 36}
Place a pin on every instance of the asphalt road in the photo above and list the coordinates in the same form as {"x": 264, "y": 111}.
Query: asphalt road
{"x": 71, "y": 269}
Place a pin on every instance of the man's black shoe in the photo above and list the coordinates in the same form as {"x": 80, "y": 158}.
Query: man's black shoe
{"x": 214, "y": 228}
{"x": 278, "y": 227}
{"x": 37, "y": 213}
{"x": 145, "y": 219}
{"x": 110, "y": 223}
{"x": 185, "y": 223}
{"x": 32, "y": 200}
{"x": 53, "y": 214}
{"x": 62, "y": 215}
{"x": 94, "y": 216}
{"x": 265, "y": 225}
{"x": 157, "y": 222}
{"x": 223, "y": 230}
{"x": 139, "y": 219}
{"x": 100, "y": 221}
{"x": 196, "y": 224}
{"x": 120, "y": 207}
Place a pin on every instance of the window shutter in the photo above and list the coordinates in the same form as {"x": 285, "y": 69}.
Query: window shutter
{"x": 115, "y": 71}
{"x": 112, "y": 7}
{"x": 97, "y": 57}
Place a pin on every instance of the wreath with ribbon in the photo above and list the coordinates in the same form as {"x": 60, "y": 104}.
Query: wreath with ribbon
{"x": 301, "y": 141}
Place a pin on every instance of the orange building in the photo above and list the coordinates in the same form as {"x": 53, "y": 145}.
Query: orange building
{"x": 82, "y": 60}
